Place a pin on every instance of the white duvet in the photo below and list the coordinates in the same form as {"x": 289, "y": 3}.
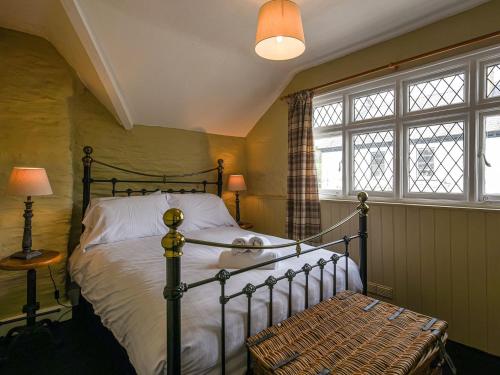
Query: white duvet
{"x": 124, "y": 282}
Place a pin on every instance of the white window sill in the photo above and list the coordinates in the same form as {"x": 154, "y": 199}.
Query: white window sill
{"x": 441, "y": 203}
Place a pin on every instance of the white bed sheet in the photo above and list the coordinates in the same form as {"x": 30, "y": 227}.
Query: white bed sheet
{"x": 124, "y": 282}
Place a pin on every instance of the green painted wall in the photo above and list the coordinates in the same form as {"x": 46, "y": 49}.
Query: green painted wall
{"x": 35, "y": 84}
{"x": 46, "y": 117}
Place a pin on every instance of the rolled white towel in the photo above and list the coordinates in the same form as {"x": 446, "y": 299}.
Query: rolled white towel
{"x": 259, "y": 241}
{"x": 244, "y": 241}
{"x": 229, "y": 260}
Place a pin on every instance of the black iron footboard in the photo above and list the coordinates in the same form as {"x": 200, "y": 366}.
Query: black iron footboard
{"x": 174, "y": 241}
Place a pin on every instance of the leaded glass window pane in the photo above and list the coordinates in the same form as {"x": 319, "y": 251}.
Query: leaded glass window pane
{"x": 436, "y": 92}
{"x": 327, "y": 115}
{"x": 373, "y": 161}
{"x": 375, "y": 105}
{"x": 493, "y": 81}
{"x": 492, "y": 155}
{"x": 436, "y": 158}
{"x": 328, "y": 157}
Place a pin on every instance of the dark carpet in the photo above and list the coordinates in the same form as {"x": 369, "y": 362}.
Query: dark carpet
{"x": 75, "y": 353}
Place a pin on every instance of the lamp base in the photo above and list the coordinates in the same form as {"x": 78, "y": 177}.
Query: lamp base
{"x": 26, "y": 255}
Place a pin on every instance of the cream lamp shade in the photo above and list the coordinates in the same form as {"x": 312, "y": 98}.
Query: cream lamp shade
{"x": 236, "y": 182}
{"x": 28, "y": 182}
{"x": 280, "y": 35}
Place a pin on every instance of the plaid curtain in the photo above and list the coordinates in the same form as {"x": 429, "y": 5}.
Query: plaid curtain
{"x": 303, "y": 209}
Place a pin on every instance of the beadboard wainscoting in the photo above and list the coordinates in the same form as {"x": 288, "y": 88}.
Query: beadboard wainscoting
{"x": 441, "y": 261}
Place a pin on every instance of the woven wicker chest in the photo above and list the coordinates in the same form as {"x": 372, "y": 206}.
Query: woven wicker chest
{"x": 351, "y": 334}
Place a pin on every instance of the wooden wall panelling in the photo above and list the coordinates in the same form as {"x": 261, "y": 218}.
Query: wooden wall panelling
{"x": 459, "y": 277}
{"x": 400, "y": 252}
{"x": 443, "y": 267}
{"x": 428, "y": 267}
{"x": 388, "y": 245}
{"x": 476, "y": 262}
{"x": 413, "y": 258}
{"x": 493, "y": 281}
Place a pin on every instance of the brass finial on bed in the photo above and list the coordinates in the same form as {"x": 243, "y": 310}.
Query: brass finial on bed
{"x": 363, "y": 207}
{"x": 173, "y": 241}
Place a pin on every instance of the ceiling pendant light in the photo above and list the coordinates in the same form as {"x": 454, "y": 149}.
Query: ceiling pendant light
{"x": 280, "y": 35}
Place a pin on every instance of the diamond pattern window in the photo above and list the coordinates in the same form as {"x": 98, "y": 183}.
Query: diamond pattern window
{"x": 425, "y": 161}
{"x": 436, "y": 158}
{"x": 375, "y": 105}
{"x": 492, "y": 155}
{"x": 493, "y": 81}
{"x": 437, "y": 92}
{"x": 327, "y": 115}
{"x": 373, "y": 161}
{"x": 328, "y": 157}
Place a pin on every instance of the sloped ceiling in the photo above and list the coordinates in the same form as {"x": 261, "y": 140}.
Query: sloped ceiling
{"x": 190, "y": 64}
{"x": 48, "y": 19}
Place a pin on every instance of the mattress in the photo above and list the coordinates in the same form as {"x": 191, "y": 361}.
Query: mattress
{"x": 124, "y": 282}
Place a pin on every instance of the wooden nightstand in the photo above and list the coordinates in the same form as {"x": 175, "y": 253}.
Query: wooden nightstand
{"x": 246, "y": 225}
{"x": 47, "y": 258}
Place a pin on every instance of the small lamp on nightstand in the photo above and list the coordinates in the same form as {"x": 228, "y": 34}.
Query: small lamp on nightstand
{"x": 28, "y": 182}
{"x": 236, "y": 183}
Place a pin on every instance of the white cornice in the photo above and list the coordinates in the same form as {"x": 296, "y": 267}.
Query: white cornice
{"x": 103, "y": 68}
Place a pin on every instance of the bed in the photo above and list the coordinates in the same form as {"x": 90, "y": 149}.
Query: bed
{"x": 124, "y": 281}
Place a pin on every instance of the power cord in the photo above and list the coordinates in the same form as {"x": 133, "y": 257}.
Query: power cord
{"x": 56, "y": 291}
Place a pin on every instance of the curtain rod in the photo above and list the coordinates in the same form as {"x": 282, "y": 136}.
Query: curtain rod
{"x": 396, "y": 65}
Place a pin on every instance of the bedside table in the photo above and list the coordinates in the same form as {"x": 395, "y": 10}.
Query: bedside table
{"x": 245, "y": 225}
{"x": 47, "y": 258}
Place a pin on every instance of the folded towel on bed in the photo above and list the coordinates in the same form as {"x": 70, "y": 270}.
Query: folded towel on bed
{"x": 228, "y": 259}
{"x": 244, "y": 241}
{"x": 259, "y": 241}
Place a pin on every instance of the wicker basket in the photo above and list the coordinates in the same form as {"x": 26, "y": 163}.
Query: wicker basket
{"x": 351, "y": 334}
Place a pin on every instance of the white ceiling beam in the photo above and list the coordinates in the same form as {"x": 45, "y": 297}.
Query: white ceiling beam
{"x": 103, "y": 68}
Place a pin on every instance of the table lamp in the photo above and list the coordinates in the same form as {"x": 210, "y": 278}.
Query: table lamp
{"x": 236, "y": 183}
{"x": 28, "y": 182}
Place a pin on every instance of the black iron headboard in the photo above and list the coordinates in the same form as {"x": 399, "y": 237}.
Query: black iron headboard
{"x": 165, "y": 179}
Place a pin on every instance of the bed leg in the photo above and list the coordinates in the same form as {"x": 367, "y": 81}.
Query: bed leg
{"x": 173, "y": 243}
{"x": 363, "y": 240}
{"x": 220, "y": 169}
{"x": 87, "y": 177}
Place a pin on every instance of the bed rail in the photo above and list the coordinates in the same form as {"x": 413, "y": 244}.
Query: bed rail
{"x": 174, "y": 241}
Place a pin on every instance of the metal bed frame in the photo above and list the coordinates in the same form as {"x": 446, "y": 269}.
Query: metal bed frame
{"x": 174, "y": 241}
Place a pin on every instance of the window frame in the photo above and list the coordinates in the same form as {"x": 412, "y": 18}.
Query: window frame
{"x": 475, "y": 105}
{"x": 430, "y": 122}
{"x": 364, "y": 130}
{"x": 480, "y": 165}
{"x": 483, "y": 64}
{"x": 368, "y": 92}
{"x": 461, "y": 68}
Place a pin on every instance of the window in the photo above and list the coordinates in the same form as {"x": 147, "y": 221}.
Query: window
{"x": 437, "y": 92}
{"x": 443, "y": 144}
{"x": 372, "y": 161}
{"x": 415, "y": 134}
{"x": 329, "y": 114}
{"x": 491, "y": 155}
{"x": 493, "y": 81}
{"x": 328, "y": 156}
{"x": 379, "y": 104}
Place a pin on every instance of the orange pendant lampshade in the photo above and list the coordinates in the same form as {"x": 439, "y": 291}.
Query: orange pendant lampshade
{"x": 280, "y": 35}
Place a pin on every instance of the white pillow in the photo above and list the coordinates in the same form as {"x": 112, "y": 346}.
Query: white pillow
{"x": 113, "y": 220}
{"x": 201, "y": 211}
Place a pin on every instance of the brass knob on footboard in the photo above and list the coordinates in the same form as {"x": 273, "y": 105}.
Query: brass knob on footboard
{"x": 362, "y": 198}
{"x": 173, "y": 241}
